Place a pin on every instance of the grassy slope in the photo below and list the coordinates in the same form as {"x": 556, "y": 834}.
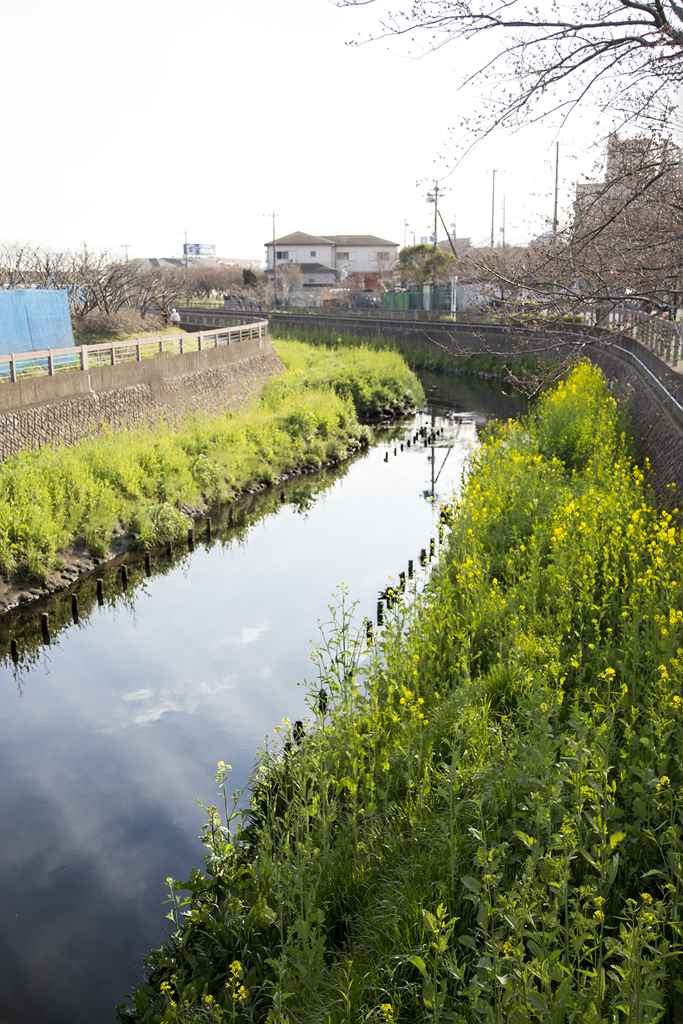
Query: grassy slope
{"x": 486, "y": 823}
{"x": 306, "y": 416}
{"x": 419, "y": 357}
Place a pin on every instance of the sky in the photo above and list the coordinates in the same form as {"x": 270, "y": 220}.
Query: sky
{"x": 128, "y": 124}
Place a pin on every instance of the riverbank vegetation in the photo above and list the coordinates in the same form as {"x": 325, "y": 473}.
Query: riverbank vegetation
{"x": 135, "y": 481}
{"x": 482, "y": 818}
{"x": 524, "y": 369}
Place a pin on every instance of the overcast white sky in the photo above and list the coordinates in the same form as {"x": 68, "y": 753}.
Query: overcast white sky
{"x": 127, "y": 123}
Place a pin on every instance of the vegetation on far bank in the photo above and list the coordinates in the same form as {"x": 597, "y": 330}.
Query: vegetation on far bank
{"x": 135, "y": 480}
{"x": 483, "y": 818}
{"x": 432, "y": 358}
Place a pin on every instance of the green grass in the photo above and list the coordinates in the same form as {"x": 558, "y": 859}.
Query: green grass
{"x": 485, "y": 821}
{"x": 137, "y": 479}
{"x": 422, "y": 357}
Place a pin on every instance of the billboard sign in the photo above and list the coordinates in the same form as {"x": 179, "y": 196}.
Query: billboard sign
{"x": 199, "y": 249}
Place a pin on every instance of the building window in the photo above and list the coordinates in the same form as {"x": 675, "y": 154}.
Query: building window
{"x": 312, "y": 252}
{"x": 342, "y": 255}
{"x": 382, "y": 255}
{"x": 282, "y": 255}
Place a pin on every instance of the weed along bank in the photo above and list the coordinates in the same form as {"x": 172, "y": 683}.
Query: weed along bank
{"x": 480, "y": 818}
{"x": 143, "y": 486}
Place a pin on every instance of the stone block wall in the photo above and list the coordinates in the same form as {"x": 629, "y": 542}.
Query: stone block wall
{"x": 77, "y": 403}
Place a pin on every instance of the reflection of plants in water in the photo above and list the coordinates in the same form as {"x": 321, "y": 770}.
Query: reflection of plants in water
{"x": 24, "y": 624}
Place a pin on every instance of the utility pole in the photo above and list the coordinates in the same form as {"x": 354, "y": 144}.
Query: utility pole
{"x": 433, "y": 197}
{"x": 274, "y": 265}
{"x": 493, "y": 209}
{"x": 187, "y": 273}
{"x": 557, "y": 181}
{"x": 405, "y": 228}
{"x": 503, "y": 225}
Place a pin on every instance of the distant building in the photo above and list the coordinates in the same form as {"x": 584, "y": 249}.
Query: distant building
{"x": 324, "y": 259}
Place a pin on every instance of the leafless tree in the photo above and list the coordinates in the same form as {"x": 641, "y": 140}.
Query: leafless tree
{"x": 291, "y": 279}
{"x": 625, "y": 54}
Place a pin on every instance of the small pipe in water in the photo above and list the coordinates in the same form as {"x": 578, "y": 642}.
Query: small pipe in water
{"x": 124, "y": 577}
{"x": 386, "y": 457}
{"x": 74, "y": 608}
{"x": 14, "y": 650}
{"x": 45, "y": 626}
{"x": 190, "y": 538}
{"x": 100, "y": 592}
{"x": 148, "y": 563}
{"x": 208, "y": 526}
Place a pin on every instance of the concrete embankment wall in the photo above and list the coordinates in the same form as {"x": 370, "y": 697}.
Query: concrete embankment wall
{"x": 656, "y": 421}
{"x": 74, "y": 404}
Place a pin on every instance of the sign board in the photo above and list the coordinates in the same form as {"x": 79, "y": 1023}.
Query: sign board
{"x": 199, "y": 249}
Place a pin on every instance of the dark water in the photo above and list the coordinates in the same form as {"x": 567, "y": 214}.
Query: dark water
{"x": 110, "y": 734}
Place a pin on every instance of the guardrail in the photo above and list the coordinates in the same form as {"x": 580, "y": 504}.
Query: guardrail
{"x": 84, "y": 357}
{"x": 653, "y": 332}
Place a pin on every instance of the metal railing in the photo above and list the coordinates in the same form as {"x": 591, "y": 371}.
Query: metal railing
{"x": 49, "y": 362}
{"x": 660, "y": 336}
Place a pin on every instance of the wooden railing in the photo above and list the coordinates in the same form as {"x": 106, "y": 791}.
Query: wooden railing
{"x": 47, "y": 363}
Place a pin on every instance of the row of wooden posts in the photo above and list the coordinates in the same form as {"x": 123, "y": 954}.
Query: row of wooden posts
{"x": 428, "y": 438}
{"x": 45, "y": 618}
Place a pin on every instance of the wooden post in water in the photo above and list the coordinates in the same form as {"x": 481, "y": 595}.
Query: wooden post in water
{"x": 190, "y": 538}
{"x": 100, "y": 592}
{"x": 386, "y": 456}
{"x": 208, "y": 526}
{"x": 423, "y": 556}
{"x": 402, "y": 584}
{"x": 148, "y": 563}
{"x": 169, "y": 548}
{"x": 410, "y": 568}
{"x": 45, "y": 626}
{"x": 124, "y": 577}
{"x": 380, "y": 613}
{"x": 74, "y": 608}
{"x": 231, "y": 516}
{"x": 14, "y": 650}
{"x": 432, "y": 548}
{"x": 368, "y": 631}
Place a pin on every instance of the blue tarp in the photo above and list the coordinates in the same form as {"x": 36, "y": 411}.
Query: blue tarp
{"x": 34, "y": 319}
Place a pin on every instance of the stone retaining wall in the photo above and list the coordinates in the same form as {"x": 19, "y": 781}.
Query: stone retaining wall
{"x": 77, "y": 403}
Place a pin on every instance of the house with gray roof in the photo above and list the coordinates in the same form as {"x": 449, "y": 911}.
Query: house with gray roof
{"x": 325, "y": 259}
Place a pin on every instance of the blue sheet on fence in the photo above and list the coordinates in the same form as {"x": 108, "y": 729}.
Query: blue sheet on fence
{"x": 34, "y": 319}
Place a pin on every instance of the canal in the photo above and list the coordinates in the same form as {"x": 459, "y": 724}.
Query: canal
{"x": 111, "y": 733}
